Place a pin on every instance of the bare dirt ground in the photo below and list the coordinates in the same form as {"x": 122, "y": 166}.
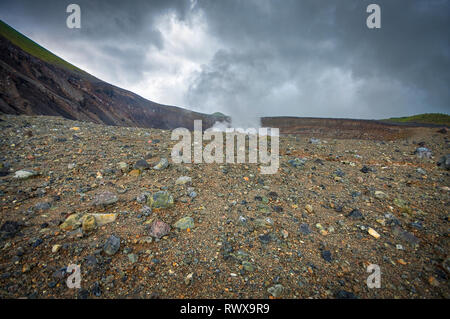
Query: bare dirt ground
{"x": 304, "y": 232}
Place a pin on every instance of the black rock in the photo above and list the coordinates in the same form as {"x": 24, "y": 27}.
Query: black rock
{"x": 96, "y": 291}
{"x": 355, "y": 214}
{"x": 444, "y": 161}
{"x": 60, "y": 273}
{"x": 273, "y": 195}
{"x": 394, "y": 222}
{"x": 356, "y": 194}
{"x": 37, "y": 243}
{"x": 91, "y": 260}
{"x": 342, "y": 294}
{"x": 318, "y": 161}
{"x": 4, "y": 170}
{"x": 326, "y": 254}
{"x": 83, "y": 294}
{"x": 112, "y": 245}
{"x": 265, "y": 239}
{"x": 141, "y": 164}
{"x": 277, "y": 209}
{"x": 417, "y": 225}
{"x": 20, "y": 252}
{"x": 5, "y": 275}
{"x": 365, "y": 169}
{"x": 9, "y": 229}
{"x": 339, "y": 173}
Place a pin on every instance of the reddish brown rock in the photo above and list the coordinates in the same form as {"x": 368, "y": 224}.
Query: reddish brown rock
{"x": 159, "y": 229}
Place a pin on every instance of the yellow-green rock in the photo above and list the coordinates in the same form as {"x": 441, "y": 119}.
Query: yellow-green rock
{"x": 89, "y": 224}
{"x": 71, "y": 223}
{"x": 161, "y": 199}
{"x": 103, "y": 219}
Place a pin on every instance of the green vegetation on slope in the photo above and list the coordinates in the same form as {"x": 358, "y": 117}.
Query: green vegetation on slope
{"x": 33, "y": 48}
{"x": 426, "y": 118}
{"x": 218, "y": 114}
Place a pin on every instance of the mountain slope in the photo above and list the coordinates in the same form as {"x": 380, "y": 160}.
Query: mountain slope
{"x": 34, "y": 81}
{"x": 31, "y": 47}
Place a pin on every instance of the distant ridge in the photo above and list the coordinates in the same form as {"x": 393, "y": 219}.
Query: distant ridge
{"x": 425, "y": 118}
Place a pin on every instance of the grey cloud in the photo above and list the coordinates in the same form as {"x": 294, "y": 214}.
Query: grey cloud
{"x": 403, "y": 68}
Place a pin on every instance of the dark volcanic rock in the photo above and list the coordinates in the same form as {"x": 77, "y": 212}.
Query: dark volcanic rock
{"x": 342, "y": 294}
{"x": 112, "y": 245}
{"x": 9, "y": 229}
{"x": 355, "y": 214}
{"x": 141, "y": 164}
{"x": 326, "y": 255}
{"x": 444, "y": 162}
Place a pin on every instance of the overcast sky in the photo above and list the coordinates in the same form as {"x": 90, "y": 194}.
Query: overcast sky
{"x": 255, "y": 58}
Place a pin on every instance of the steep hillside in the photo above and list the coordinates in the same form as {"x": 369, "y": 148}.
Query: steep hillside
{"x": 34, "y": 81}
{"x": 31, "y": 47}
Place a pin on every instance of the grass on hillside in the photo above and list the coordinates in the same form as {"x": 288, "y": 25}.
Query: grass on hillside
{"x": 426, "y": 118}
{"x": 33, "y": 48}
{"x": 218, "y": 114}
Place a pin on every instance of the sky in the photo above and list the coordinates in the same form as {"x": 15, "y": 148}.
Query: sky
{"x": 253, "y": 58}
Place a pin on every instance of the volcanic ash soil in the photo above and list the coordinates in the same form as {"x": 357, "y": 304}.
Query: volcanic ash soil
{"x": 110, "y": 200}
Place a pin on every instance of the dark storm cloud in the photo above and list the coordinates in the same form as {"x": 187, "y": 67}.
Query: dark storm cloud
{"x": 121, "y": 31}
{"x": 262, "y": 57}
{"x": 323, "y": 59}
{"x": 101, "y": 20}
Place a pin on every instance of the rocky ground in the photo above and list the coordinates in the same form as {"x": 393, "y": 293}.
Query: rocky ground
{"x": 104, "y": 198}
